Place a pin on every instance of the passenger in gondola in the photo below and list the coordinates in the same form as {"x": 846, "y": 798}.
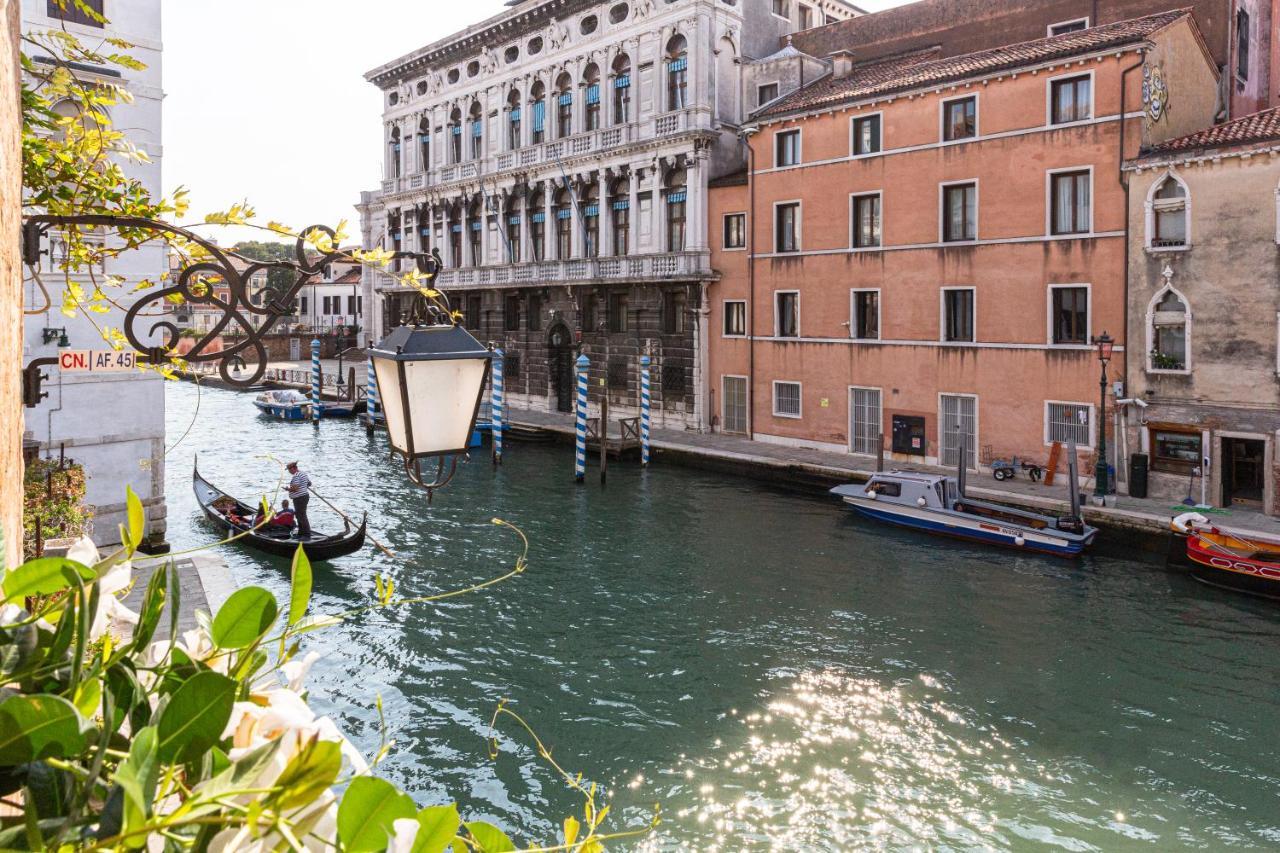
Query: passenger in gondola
{"x": 280, "y": 521}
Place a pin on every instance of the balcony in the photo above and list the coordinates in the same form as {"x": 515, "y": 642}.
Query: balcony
{"x": 639, "y": 268}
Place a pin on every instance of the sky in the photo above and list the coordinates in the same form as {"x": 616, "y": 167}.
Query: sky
{"x": 266, "y": 99}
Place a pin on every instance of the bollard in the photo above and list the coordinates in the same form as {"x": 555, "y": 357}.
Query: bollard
{"x": 646, "y": 401}
{"x": 315, "y": 381}
{"x": 580, "y": 449}
{"x": 371, "y": 399}
{"x": 497, "y": 407}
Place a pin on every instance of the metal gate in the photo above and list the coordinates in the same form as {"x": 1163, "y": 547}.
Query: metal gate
{"x": 958, "y": 416}
{"x": 734, "y": 405}
{"x": 865, "y": 421}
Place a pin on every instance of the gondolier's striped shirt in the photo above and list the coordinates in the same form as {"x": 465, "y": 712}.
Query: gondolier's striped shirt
{"x": 299, "y": 486}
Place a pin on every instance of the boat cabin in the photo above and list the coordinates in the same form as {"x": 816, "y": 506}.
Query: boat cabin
{"x": 914, "y": 489}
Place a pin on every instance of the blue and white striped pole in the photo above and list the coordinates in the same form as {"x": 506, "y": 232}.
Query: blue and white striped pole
{"x": 580, "y": 456}
{"x": 370, "y": 397}
{"x": 315, "y": 381}
{"x": 646, "y": 402}
{"x": 497, "y": 406}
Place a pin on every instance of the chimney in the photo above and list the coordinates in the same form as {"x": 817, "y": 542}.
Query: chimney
{"x": 841, "y": 63}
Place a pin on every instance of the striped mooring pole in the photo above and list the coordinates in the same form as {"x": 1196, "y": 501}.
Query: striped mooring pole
{"x": 580, "y": 456}
{"x": 498, "y": 406}
{"x": 370, "y": 397}
{"x": 646, "y": 402}
{"x": 315, "y": 381}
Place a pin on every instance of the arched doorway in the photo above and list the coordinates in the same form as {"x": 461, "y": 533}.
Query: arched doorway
{"x": 560, "y": 361}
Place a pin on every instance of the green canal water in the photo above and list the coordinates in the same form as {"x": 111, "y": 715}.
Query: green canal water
{"x": 778, "y": 674}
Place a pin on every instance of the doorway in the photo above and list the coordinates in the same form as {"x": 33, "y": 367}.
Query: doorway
{"x": 295, "y": 349}
{"x": 1243, "y": 471}
{"x": 560, "y": 360}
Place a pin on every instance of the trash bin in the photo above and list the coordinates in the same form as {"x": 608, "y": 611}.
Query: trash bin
{"x": 1138, "y": 466}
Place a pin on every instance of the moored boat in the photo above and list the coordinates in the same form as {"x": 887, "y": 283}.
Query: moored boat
{"x": 1229, "y": 561}
{"x": 286, "y": 404}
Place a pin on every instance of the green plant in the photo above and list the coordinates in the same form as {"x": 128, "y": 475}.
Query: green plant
{"x": 53, "y": 506}
{"x": 1160, "y": 361}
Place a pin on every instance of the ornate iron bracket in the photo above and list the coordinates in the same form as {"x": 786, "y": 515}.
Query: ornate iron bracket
{"x": 413, "y": 468}
{"x": 194, "y": 286}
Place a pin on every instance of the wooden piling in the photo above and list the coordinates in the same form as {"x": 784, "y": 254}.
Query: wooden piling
{"x": 604, "y": 435}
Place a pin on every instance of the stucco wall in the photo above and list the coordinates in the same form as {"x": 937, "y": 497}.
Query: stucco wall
{"x": 11, "y": 300}
{"x": 1191, "y": 84}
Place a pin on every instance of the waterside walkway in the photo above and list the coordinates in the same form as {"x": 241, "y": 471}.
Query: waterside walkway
{"x": 206, "y": 583}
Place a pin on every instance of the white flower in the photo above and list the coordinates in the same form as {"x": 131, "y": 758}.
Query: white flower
{"x": 295, "y": 671}
{"x": 404, "y": 832}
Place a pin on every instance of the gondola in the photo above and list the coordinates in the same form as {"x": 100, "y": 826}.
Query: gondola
{"x": 1229, "y": 562}
{"x": 216, "y": 503}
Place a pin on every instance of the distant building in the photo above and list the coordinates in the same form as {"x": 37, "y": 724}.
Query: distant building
{"x": 334, "y": 300}
{"x": 1204, "y": 313}
{"x": 201, "y": 317}
{"x": 112, "y": 423}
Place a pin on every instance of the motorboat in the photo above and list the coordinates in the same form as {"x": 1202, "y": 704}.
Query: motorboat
{"x": 1227, "y": 560}
{"x": 284, "y": 404}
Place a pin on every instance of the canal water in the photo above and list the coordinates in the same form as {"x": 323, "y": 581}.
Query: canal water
{"x": 774, "y": 672}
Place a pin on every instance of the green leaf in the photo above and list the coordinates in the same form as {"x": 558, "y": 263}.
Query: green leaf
{"x": 38, "y": 727}
{"x": 311, "y": 772}
{"x": 137, "y": 518}
{"x": 87, "y": 697}
{"x": 437, "y": 827}
{"x": 152, "y": 608}
{"x": 197, "y": 713}
{"x": 42, "y": 577}
{"x": 489, "y": 837}
{"x": 368, "y": 809}
{"x": 300, "y": 587}
{"x": 244, "y": 618}
{"x": 137, "y": 776}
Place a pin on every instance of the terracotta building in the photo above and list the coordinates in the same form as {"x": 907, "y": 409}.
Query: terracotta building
{"x": 1204, "y": 313}
{"x": 924, "y": 247}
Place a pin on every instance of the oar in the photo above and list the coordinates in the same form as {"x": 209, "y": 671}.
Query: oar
{"x": 383, "y": 548}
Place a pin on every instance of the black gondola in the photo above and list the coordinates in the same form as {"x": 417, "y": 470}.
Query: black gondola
{"x": 216, "y": 503}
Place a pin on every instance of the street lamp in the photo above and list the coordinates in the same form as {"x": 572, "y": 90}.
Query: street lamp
{"x": 1106, "y": 348}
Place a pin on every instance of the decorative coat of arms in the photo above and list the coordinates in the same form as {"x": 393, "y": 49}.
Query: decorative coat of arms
{"x": 1155, "y": 92}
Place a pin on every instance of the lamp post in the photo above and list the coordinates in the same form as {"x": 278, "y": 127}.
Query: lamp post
{"x": 1106, "y": 348}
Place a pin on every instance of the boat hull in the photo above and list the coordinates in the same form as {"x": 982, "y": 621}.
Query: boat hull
{"x": 1225, "y": 570}
{"x": 973, "y": 530}
{"x": 283, "y": 413}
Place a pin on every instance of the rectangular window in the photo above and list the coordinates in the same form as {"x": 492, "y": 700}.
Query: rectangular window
{"x": 958, "y": 416}
{"x": 564, "y": 116}
{"x": 622, "y": 99}
{"x": 618, "y": 320}
{"x": 735, "y": 319}
{"x": 782, "y": 8}
{"x": 787, "y": 150}
{"x": 1242, "y": 44}
{"x": 67, "y": 11}
{"x": 806, "y": 17}
{"x": 865, "y": 420}
{"x": 1175, "y": 451}
{"x": 1068, "y": 27}
{"x": 1070, "y": 199}
{"x": 1068, "y": 422}
{"x": 513, "y": 240}
{"x": 786, "y": 314}
{"x": 302, "y": 306}
{"x": 766, "y": 93}
{"x": 539, "y": 121}
{"x": 959, "y": 213}
{"x": 786, "y": 399}
{"x": 593, "y": 107}
{"x": 673, "y": 312}
{"x": 735, "y": 231}
{"x": 351, "y": 305}
{"x": 866, "y": 221}
{"x": 590, "y": 313}
{"x": 534, "y": 311}
{"x": 960, "y": 118}
{"x": 865, "y": 315}
{"x": 621, "y": 228}
{"x": 866, "y": 135}
{"x": 957, "y": 320}
{"x": 473, "y": 316}
{"x": 786, "y": 234}
{"x": 1070, "y": 315}
{"x": 511, "y": 313}
{"x": 676, "y": 213}
{"x": 678, "y": 83}
{"x": 1072, "y": 99}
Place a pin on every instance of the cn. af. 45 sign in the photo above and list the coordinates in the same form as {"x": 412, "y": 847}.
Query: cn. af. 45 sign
{"x": 96, "y": 361}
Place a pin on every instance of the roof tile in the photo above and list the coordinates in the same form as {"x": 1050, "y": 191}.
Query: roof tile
{"x": 1259, "y": 127}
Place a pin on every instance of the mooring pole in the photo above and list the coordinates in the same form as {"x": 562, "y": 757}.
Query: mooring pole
{"x": 879, "y": 451}
{"x": 646, "y": 402}
{"x": 371, "y": 398}
{"x": 497, "y": 406}
{"x": 580, "y": 454}
{"x": 315, "y": 381}
{"x": 604, "y": 435}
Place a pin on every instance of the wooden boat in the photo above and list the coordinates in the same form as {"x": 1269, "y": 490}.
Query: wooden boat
{"x": 935, "y": 503}
{"x": 1227, "y": 561}
{"x": 218, "y": 506}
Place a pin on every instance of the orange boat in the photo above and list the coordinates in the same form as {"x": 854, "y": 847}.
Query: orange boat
{"x": 1223, "y": 560}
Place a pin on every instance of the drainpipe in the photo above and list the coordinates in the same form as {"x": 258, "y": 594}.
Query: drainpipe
{"x": 745, "y": 135}
{"x": 1124, "y": 183}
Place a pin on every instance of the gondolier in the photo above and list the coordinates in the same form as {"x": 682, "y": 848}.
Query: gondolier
{"x": 300, "y": 492}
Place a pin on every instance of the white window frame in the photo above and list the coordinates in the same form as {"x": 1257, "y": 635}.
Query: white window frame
{"x": 1048, "y": 98}
{"x": 786, "y": 17}
{"x": 777, "y": 138}
{"x": 1049, "y": 318}
{"x": 977, "y": 212}
{"x": 799, "y": 399}
{"x": 1150, "y": 213}
{"x": 813, "y": 17}
{"x": 777, "y": 326}
{"x": 760, "y": 102}
{"x": 724, "y": 221}
{"x": 746, "y": 380}
{"x": 746, "y": 321}
{"x": 879, "y": 391}
{"x": 942, "y": 315}
{"x": 1048, "y": 202}
{"x": 853, "y": 312}
{"x": 799, "y": 203}
{"x": 1093, "y": 422}
{"x": 942, "y": 118}
{"x": 977, "y": 425}
{"x": 1049, "y": 30}
{"x": 1151, "y": 332}
{"x": 853, "y": 138}
{"x": 853, "y": 224}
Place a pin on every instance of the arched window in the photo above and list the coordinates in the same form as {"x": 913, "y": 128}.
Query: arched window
{"x": 513, "y": 120}
{"x": 677, "y": 73}
{"x": 455, "y": 235}
{"x": 455, "y": 136}
{"x": 393, "y": 231}
{"x": 592, "y": 80}
{"x": 591, "y": 221}
{"x": 1169, "y": 331}
{"x": 424, "y": 145}
{"x": 424, "y": 230}
{"x": 393, "y": 158}
{"x": 1168, "y": 212}
{"x": 475, "y": 224}
{"x": 477, "y": 131}
{"x": 564, "y": 106}
{"x": 677, "y": 198}
{"x": 622, "y": 89}
{"x": 563, "y": 209}
{"x": 537, "y": 224}
{"x": 538, "y": 105}
{"x": 620, "y": 202}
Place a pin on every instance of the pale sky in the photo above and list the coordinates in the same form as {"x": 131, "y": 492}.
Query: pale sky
{"x": 266, "y": 99}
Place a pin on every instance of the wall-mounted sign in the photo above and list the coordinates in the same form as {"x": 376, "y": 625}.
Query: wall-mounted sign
{"x": 96, "y": 361}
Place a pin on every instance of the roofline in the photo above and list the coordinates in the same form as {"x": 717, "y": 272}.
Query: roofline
{"x": 1270, "y": 145}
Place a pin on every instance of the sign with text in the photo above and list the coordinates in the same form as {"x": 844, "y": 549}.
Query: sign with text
{"x": 96, "y": 361}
